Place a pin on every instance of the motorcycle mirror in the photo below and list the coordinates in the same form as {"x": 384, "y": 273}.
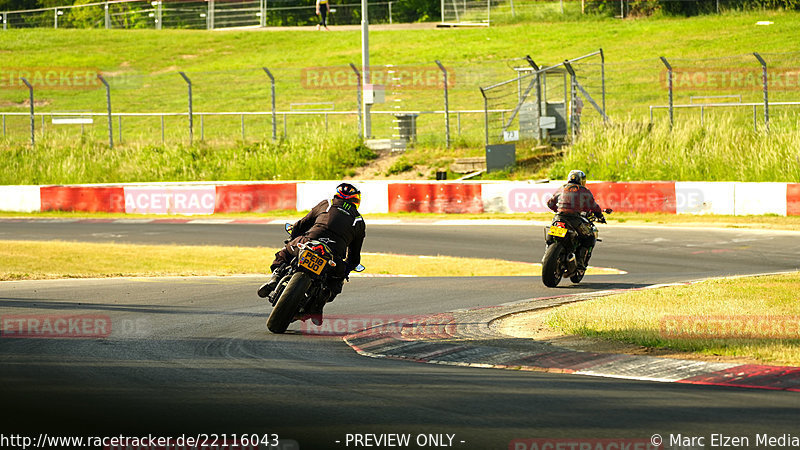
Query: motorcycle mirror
{"x": 288, "y": 227}
{"x": 359, "y": 268}
{"x": 608, "y": 210}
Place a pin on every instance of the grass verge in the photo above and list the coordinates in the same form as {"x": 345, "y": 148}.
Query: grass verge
{"x": 753, "y": 317}
{"x": 309, "y": 155}
{"x": 58, "y": 259}
{"x": 718, "y": 151}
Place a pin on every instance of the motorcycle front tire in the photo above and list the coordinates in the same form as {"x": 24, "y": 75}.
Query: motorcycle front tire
{"x": 551, "y": 265}
{"x": 289, "y": 302}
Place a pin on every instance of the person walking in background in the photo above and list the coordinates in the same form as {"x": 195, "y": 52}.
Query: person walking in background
{"x": 323, "y": 8}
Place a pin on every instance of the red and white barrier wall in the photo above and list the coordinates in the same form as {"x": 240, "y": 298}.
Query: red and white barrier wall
{"x": 731, "y": 198}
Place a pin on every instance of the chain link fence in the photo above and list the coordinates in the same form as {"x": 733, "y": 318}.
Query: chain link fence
{"x": 756, "y": 90}
{"x": 545, "y": 102}
{"x": 226, "y": 105}
{"x": 189, "y": 14}
{"x": 213, "y": 14}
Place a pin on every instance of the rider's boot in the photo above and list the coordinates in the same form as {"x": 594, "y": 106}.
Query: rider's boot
{"x": 270, "y": 285}
{"x": 316, "y": 314}
{"x": 582, "y": 255}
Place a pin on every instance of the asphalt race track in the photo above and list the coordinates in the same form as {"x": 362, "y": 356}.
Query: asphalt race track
{"x": 192, "y": 355}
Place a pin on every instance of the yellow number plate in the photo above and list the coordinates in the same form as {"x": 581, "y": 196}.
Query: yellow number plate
{"x": 557, "y": 231}
{"x": 312, "y": 262}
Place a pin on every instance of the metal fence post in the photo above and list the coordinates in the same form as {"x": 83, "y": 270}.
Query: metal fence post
{"x": 446, "y": 104}
{"x": 765, "y": 81}
{"x": 108, "y": 106}
{"x": 5, "y": 21}
{"x": 603, "y": 81}
{"x": 158, "y": 15}
{"x": 358, "y": 95}
{"x": 390, "y": 13}
{"x": 573, "y": 99}
{"x": 191, "y": 119}
{"x": 274, "y": 118}
{"x": 485, "y": 116}
{"x": 33, "y": 122}
{"x": 669, "y": 83}
{"x": 210, "y": 15}
{"x": 107, "y": 17}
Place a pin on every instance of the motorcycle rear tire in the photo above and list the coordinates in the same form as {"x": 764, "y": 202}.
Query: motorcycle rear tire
{"x": 551, "y": 265}
{"x": 287, "y": 305}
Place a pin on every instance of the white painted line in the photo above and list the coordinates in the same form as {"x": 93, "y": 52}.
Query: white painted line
{"x": 210, "y": 221}
{"x": 133, "y": 221}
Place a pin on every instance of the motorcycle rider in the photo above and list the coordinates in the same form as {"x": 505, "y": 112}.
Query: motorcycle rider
{"x": 571, "y": 202}
{"x": 337, "y": 223}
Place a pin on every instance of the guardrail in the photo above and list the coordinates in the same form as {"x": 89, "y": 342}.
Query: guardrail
{"x": 703, "y": 106}
{"x": 118, "y": 117}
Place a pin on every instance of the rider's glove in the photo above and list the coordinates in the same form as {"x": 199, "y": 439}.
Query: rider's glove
{"x": 602, "y": 219}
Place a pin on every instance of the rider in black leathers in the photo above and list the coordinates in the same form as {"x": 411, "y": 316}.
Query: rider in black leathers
{"x": 570, "y": 202}
{"x": 335, "y": 222}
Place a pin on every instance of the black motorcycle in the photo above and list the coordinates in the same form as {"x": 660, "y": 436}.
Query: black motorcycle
{"x": 303, "y": 286}
{"x": 562, "y": 242}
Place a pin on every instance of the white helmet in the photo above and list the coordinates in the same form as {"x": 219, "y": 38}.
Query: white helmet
{"x": 577, "y": 177}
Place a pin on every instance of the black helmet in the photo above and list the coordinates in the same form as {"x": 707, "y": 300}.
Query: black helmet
{"x": 348, "y": 192}
{"x": 577, "y": 177}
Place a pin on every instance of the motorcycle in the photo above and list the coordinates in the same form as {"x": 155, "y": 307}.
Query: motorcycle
{"x": 562, "y": 242}
{"x": 303, "y": 285}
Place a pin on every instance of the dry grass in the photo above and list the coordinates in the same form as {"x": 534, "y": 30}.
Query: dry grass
{"x": 58, "y": 259}
{"x": 755, "y": 317}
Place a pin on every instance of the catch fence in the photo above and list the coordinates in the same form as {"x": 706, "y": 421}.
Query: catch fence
{"x": 253, "y": 104}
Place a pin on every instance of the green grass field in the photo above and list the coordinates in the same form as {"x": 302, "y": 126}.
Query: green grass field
{"x": 747, "y": 317}
{"x": 225, "y": 68}
{"x": 30, "y": 260}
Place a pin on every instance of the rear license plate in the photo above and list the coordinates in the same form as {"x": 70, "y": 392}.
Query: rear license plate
{"x": 312, "y": 262}
{"x": 557, "y": 231}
